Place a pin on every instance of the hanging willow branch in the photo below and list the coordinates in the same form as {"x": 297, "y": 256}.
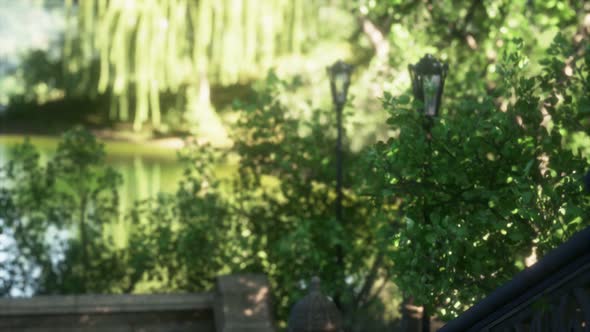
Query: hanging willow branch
{"x": 146, "y": 47}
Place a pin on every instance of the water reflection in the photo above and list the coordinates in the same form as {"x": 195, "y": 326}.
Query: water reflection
{"x": 144, "y": 175}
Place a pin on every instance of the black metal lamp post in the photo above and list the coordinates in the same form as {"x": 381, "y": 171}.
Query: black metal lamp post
{"x": 339, "y": 74}
{"x": 428, "y": 80}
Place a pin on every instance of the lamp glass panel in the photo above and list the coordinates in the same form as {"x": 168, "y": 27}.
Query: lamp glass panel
{"x": 431, "y": 85}
{"x": 340, "y": 85}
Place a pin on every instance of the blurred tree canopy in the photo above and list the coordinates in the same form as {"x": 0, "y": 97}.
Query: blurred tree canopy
{"x": 149, "y": 47}
{"x": 55, "y": 215}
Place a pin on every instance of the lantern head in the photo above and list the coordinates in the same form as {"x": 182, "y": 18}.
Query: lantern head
{"x": 339, "y": 74}
{"x": 428, "y": 80}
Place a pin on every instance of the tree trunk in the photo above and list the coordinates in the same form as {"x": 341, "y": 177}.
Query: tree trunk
{"x": 411, "y": 316}
{"x": 425, "y": 320}
{"x": 202, "y": 115}
{"x": 377, "y": 38}
{"x": 84, "y": 241}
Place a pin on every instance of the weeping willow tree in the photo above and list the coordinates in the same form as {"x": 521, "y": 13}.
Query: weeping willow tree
{"x": 149, "y": 47}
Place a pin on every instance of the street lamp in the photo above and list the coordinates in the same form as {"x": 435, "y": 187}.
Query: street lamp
{"x": 339, "y": 74}
{"x": 428, "y": 79}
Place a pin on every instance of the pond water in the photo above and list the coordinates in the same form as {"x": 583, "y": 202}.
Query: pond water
{"x": 146, "y": 170}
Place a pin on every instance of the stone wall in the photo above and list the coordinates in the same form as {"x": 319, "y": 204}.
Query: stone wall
{"x": 238, "y": 303}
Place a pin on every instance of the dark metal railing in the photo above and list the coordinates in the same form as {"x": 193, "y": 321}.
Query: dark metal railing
{"x": 552, "y": 295}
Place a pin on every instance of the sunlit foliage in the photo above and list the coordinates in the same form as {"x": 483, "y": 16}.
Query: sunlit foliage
{"x": 55, "y": 215}
{"x": 146, "y": 48}
{"x": 489, "y": 185}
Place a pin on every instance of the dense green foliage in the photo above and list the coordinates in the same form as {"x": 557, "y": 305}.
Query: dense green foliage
{"x": 61, "y": 218}
{"x": 291, "y": 218}
{"x": 183, "y": 240}
{"x": 56, "y": 215}
{"x": 491, "y": 181}
{"x": 277, "y": 219}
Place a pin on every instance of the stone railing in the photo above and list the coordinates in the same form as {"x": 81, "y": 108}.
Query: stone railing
{"x": 238, "y": 303}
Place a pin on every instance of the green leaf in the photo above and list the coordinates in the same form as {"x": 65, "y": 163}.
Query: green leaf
{"x": 403, "y": 99}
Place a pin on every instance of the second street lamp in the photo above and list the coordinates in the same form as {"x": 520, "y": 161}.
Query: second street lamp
{"x": 428, "y": 80}
{"x": 339, "y": 74}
